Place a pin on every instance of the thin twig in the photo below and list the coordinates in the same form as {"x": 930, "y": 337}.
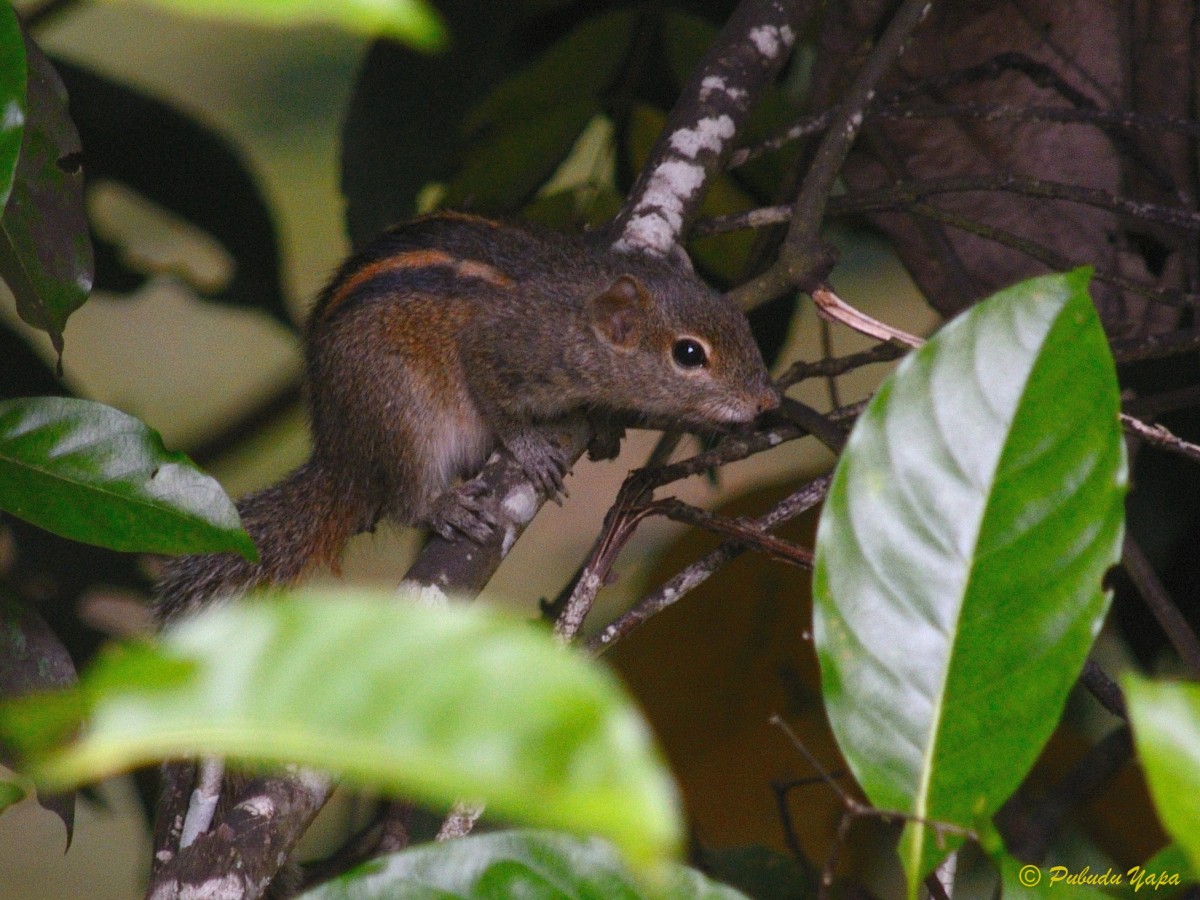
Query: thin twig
{"x": 700, "y": 571}
{"x": 804, "y": 261}
{"x": 1159, "y": 436}
{"x": 1162, "y": 605}
{"x": 739, "y": 531}
{"x": 854, "y": 809}
{"x": 893, "y": 107}
{"x": 1154, "y": 405}
{"x": 1106, "y": 691}
{"x": 1156, "y": 346}
{"x": 832, "y": 307}
{"x": 839, "y": 365}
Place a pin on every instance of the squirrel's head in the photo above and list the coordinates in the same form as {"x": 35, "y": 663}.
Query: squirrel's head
{"x": 664, "y": 328}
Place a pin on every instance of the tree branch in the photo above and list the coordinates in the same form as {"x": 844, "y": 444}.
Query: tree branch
{"x": 804, "y": 261}
{"x": 712, "y": 109}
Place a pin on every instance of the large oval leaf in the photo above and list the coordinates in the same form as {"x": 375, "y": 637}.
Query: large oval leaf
{"x": 960, "y": 556}
{"x": 515, "y": 864}
{"x": 91, "y": 473}
{"x": 12, "y": 97}
{"x": 431, "y": 703}
{"x": 1166, "y": 731}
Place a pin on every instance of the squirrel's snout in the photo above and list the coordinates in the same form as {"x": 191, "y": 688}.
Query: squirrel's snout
{"x": 767, "y": 400}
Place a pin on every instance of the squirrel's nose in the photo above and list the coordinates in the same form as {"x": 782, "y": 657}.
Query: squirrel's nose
{"x": 767, "y": 399}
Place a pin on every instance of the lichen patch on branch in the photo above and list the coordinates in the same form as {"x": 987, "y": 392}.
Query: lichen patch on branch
{"x": 657, "y": 220}
{"x": 771, "y": 40}
{"x": 709, "y": 134}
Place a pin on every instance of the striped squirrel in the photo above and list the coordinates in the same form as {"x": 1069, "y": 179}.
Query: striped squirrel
{"x": 453, "y": 334}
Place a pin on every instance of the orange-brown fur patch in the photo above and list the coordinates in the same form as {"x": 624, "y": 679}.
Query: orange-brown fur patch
{"x": 470, "y": 268}
{"x": 414, "y": 259}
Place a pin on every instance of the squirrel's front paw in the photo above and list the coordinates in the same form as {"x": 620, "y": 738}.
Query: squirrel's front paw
{"x": 606, "y": 441}
{"x": 458, "y": 512}
{"x": 544, "y": 463}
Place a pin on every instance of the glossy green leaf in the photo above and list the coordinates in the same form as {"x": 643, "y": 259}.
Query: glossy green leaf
{"x": 960, "y": 556}
{"x": 12, "y": 97}
{"x": 91, "y": 473}
{"x": 516, "y": 864}
{"x": 45, "y": 251}
{"x": 1166, "y": 731}
{"x": 428, "y": 703}
{"x": 411, "y": 21}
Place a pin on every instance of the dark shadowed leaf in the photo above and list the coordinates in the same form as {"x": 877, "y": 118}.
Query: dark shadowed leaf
{"x": 506, "y": 169}
{"x": 760, "y": 872}
{"x": 360, "y": 684}
{"x": 516, "y": 864}
{"x": 33, "y": 659}
{"x": 583, "y": 65}
{"x": 12, "y": 97}
{"x": 159, "y": 152}
{"x": 421, "y": 125}
{"x": 94, "y": 474}
{"x": 45, "y": 253}
{"x": 526, "y": 127}
{"x": 960, "y": 557}
{"x": 22, "y": 372}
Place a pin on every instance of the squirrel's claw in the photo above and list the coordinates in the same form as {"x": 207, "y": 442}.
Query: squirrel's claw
{"x": 459, "y": 513}
{"x": 544, "y": 463}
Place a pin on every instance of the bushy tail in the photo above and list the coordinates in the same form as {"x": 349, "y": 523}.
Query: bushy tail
{"x": 302, "y": 522}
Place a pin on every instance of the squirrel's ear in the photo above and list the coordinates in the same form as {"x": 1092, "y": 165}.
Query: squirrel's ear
{"x": 619, "y": 310}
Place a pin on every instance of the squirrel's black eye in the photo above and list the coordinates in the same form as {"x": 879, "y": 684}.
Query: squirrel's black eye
{"x": 689, "y": 353}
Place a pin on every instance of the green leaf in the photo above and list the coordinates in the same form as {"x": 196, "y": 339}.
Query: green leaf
{"x": 45, "y": 252}
{"x": 1166, "y": 732}
{"x": 91, "y": 473}
{"x": 515, "y": 864}
{"x": 12, "y": 97}
{"x": 1171, "y": 860}
{"x": 960, "y": 555}
{"x": 411, "y": 21}
{"x": 429, "y": 703}
{"x": 10, "y": 793}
